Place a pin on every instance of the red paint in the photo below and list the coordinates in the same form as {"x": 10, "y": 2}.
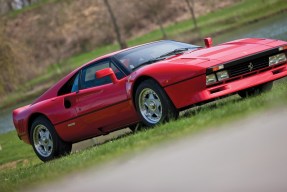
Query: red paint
{"x": 107, "y": 72}
{"x": 99, "y": 110}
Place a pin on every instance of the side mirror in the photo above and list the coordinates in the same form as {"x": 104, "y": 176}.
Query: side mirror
{"x": 208, "y": 42}
{"x": 107, "y": 72}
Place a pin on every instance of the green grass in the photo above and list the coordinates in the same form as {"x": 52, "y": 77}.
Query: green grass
{"x": 212, "y": 23}
{"x": 12, "y": 149}
{"x": 211, "y": 115}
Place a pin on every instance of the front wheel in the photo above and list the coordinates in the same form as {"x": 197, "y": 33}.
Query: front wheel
{"x": 46, "y": 142}
{"x": 153, "y": 105}
{"x": 256, "y": 90}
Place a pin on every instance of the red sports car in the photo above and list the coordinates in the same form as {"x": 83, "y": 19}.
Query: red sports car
{"x": 150, "y": 84}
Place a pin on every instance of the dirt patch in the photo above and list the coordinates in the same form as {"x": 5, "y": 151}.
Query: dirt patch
{"x": 14, "y": 164}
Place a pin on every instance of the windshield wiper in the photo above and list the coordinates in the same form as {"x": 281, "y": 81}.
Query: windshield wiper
{"x": 175, "y": 51}
{"x": 162, "y": 57}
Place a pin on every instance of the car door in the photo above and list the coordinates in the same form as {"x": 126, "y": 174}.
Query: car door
{"x": 102, "y": 105}
{"x": 65, "y": 114}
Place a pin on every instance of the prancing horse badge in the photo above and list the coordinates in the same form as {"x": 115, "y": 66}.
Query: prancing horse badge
{"x": 250, "y": 66}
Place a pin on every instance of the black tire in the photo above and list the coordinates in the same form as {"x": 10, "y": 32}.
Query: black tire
{"x": 45, "y": 141}
{"x": 157, "y": 108}
{"x": 256, "y": 90}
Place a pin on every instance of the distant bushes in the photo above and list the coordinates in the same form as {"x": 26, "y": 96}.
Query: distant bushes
{"x": 14, "y": 64}
{"x": 51, "y": 32}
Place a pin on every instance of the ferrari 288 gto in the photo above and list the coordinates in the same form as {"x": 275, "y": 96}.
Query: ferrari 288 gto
{"x": 147, "y": 84}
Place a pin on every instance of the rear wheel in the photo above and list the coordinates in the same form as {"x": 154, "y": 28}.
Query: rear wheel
{"x": 46, "y": 142}
{"x": 153, "y": 105}
{"x": 256, "y": 90}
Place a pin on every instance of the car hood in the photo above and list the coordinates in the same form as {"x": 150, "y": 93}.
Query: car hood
{"x": 207, "y": 57}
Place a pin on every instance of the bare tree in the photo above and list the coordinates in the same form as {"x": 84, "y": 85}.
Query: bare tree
{"x": 9, "y": 4}
{"x": 154, "y": 8}
{"x": 190, "y": 5}
{"x": 5, "y": 6}
{"x": 120, "y": 39}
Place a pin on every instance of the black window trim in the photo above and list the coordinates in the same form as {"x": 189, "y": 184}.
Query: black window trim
{"x": 76, "y": 74}
{"x": 120, "y": 66}
{"x": 80, "y": 80}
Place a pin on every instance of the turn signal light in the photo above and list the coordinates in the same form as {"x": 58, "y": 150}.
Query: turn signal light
{"x": 282, "y": 48}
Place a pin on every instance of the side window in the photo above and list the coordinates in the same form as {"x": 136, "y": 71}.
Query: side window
{"x": 88, "y": 78}
{"x": 71, "y": 86}
{"x": 75, "y": 86}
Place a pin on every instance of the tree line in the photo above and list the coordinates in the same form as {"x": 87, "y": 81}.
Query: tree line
{"x": 49, "y": 33}
{"x": 153, "y": 7}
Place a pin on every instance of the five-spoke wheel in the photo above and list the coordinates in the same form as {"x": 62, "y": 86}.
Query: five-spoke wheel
{"x": 45, "y": 140}
{"x": 152, "y": 103}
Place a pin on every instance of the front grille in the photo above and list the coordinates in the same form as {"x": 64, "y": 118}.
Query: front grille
{"x": 248, "y": 66}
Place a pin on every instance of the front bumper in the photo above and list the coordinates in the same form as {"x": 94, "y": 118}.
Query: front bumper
{"x": 195, "y": 91}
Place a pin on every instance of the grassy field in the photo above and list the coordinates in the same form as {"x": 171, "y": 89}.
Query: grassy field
{"x": 29, "y": 171}
{"x": 211, "y": 24}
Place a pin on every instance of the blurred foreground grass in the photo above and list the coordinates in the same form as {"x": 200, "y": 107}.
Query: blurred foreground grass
{"x": 27, "y": 170}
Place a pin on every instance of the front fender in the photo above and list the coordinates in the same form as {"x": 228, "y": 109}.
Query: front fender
{"x": 165, "y": 74}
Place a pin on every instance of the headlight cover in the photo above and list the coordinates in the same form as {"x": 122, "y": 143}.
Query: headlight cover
{"x": 276, "y": 59}
{"x": 210, "y": 79}
{"x": 221, "y": 75}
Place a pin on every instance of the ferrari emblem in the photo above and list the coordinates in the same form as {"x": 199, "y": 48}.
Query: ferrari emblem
{"x": 250, "y": 66}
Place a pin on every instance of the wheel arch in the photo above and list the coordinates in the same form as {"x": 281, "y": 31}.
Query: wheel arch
{"x": 32, "y": 119}
{"x": 138, "y": 82}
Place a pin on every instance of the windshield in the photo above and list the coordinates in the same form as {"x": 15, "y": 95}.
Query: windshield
{"x": 150, "y": 53}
